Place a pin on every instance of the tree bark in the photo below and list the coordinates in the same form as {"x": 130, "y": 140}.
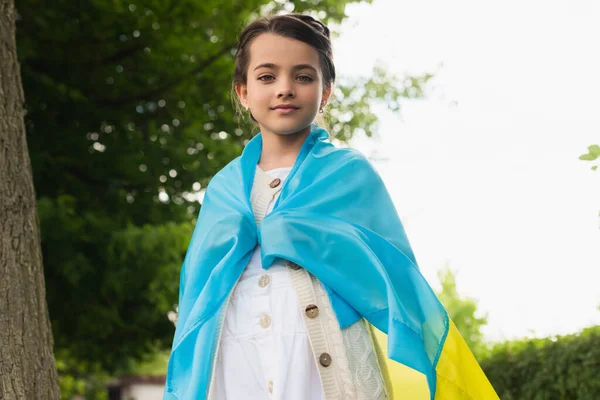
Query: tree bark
{"x": 27, "y": 365}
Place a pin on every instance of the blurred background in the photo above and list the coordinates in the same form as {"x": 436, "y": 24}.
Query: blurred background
{"x": 482, "y": 118}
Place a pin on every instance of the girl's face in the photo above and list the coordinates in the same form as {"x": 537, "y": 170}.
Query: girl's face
{"x": 282, "y": 70}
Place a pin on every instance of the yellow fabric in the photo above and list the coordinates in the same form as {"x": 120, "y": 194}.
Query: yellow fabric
{"x": 459, "y": 376}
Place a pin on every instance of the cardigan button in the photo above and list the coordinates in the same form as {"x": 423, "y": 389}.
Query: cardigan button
{"x": 325, "y": 359}
{"x": 294, "y": 266}
{"x": 275, "y": 182}
{"x": 264, "y": 281}
{"x": 312, "y": 311}
{"x": 265, "y": 321}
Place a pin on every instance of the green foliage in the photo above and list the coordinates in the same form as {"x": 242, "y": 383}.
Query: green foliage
{"x": 350, "y": 107}
{"x": 592, "y": 154}
{"x": 557, "y": 368}
{"x": 153, "y": 364}
{"x": 80, "y": 378}
{"x": 462, "y": 310}
{"x": 128, "y": 115}
{"x": 133, "y": 291}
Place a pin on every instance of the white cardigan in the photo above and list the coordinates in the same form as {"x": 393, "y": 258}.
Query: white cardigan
{"x": 348, "y": 360}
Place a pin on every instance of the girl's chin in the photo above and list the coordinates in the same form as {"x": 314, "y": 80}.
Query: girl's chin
{"x": 286, "y": 128}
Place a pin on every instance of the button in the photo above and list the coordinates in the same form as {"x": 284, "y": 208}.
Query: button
{"x": 312, "y": 311}
{"x": 294, "y": 266}
{"x": 265, "y": 321}
{"x": 275, "y": 182}
{"x": 325, "y": 359}
{"x": 264, "y": 281}
{"x": 271, "y": 387}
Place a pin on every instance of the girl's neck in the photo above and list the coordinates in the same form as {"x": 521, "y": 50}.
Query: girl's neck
{"x": 280, "y": 151}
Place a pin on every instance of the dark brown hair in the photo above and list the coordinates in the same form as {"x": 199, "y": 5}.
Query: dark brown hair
{"x": 295, "y": 26}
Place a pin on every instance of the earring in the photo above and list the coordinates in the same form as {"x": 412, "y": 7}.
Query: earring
{"x": 321, "y": 109}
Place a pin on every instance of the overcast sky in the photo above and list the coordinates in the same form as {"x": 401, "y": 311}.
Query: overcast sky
{"x": 485, "y": 172}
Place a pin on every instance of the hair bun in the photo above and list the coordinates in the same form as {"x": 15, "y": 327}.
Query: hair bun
{"x": 321, "y": 27}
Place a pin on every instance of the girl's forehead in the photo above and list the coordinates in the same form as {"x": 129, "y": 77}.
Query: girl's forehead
{"x": 281, "y": 51}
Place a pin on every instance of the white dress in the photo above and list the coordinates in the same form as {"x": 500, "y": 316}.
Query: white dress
{"x": 265, "y": 352}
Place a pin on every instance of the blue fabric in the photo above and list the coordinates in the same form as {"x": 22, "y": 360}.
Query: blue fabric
{"x": 335, "y": 218}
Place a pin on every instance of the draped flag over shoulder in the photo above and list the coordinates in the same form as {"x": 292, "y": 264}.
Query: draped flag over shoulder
{"x": 334, "y": 217}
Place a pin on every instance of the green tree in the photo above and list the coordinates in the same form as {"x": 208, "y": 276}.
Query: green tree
{"x": 128, "y": 115}
{"x": 463, "y": 311}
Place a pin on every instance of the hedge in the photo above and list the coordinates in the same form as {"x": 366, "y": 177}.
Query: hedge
{"x": 556, "y": 368}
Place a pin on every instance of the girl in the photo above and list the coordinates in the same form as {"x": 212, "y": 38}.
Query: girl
{"x": 284, "y": 76}
{"x": 298, "y": 250}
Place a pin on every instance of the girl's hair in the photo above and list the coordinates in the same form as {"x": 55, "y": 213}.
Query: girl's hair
{"x": 296, "y": 26}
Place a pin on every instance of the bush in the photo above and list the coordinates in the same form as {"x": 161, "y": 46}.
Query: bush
{"x": 556, "y": 368}
{"x": 80, "y": 379}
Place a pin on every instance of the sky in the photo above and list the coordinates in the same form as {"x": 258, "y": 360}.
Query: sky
{"x": 485, "y": 171}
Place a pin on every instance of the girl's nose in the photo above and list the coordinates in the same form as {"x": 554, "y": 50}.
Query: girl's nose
{"x": 286, "y": 90}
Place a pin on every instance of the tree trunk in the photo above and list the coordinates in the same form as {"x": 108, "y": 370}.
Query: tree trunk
{"x": 27, "y": 366}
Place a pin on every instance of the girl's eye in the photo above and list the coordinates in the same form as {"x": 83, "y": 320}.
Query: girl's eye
{"x": 303, "y": 78}
{"x": 264, "y": 76}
